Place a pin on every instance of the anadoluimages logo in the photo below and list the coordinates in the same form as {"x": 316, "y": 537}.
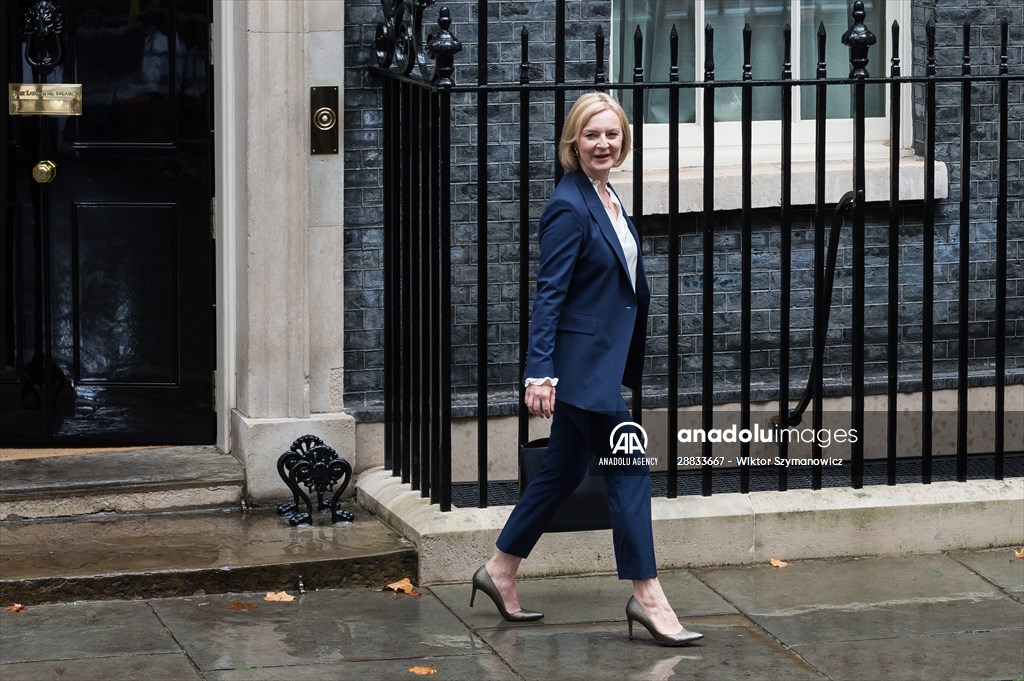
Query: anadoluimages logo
{"x": 628, "y": 438}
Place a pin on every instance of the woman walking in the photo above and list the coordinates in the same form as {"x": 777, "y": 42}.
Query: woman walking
{"x": 587, "y": 336}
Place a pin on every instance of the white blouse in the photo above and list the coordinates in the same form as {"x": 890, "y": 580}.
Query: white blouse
{"x": 626, "y": 239}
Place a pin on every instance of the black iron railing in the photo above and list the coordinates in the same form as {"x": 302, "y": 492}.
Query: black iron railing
{"x": 416, "y": 74}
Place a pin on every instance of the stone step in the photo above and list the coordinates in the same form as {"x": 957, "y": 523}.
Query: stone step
{"x": 143, "y": 480}
{"x": 142, "y": 555}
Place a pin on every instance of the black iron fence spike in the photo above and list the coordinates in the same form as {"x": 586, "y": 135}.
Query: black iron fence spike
{"x": 524, "y": 64}
{"x": 638, "y": 55}
{"x": 787, "y": 48}
{"x": 748, "y": 67}
{"x": 1004, "y": 58}
{"x": 895, "y": 43}
{"x": 673, "y": 39}
{"x": 967, "y": 43}
{"x": 709, "y": 51}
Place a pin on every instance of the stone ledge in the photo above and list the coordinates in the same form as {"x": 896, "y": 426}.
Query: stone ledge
{"x": 722, "y": 529}
{"x": 178, "y": 554}
{"x": 158, "y": 479}
{"x": 145, "y": 501}
{"x": 766, "y": 184}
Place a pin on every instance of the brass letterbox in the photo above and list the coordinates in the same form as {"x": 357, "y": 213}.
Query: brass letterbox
{"x": 35, "y": 99}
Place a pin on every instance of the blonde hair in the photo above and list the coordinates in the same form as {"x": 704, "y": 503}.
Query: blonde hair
{"x": 585, "y": 108}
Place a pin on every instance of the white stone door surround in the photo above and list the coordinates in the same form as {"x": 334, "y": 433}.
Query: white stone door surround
{"x": 279, "y": 235}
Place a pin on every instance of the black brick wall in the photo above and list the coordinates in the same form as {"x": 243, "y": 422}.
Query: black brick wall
{"x": 985, "y": 18}
{"x": 363, "y": 217}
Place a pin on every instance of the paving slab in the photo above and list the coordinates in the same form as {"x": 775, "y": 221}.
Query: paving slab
{"x": 456, "y": 668}
{"x": 999, "y": 566}
{"x": 82, "y": 630}
{"x": 315, "y": 628}
{"x": 733, "y": 649}
{"x": 907, "y": 620}
{"x": 870, "y": 598}
{"x": 818, "y": 583}
{"x": 177, "y": 554}
{"x": 163, "y": 667}
{"x": 976, "y": 656}
{"x": 566, "y": 600}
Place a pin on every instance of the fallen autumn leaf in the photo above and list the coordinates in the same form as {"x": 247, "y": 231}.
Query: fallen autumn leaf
{"x": 402, "y": 586}
{"x": 775, "y": 562}
{"x": 239, "y": 605}
{"x": 17, "y": 607}
{"x": 1019, "y": 554}
{"x": 282, "y": 596}
{"x": 423, "y": 671}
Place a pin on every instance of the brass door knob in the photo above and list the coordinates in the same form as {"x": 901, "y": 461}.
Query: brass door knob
{"x": 44, "y": 171}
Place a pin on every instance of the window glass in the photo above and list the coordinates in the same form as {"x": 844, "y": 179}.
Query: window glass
{"x": 835, "y": 14}
{"x": 767, "y": 19}
{"x": 655, "y": 19}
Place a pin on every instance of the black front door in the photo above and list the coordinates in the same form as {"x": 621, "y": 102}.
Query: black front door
{"x": 107, "y": 283}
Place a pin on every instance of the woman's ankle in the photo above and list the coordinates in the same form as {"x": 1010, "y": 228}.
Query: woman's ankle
{"x": 649, "y": 591}
{"x": 503, "y": 565}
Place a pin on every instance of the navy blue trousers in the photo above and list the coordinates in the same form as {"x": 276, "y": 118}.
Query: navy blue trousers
{"x": 576, "y": 436}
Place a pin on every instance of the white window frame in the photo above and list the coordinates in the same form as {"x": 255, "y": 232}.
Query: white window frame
{"x": 767, "y": 135}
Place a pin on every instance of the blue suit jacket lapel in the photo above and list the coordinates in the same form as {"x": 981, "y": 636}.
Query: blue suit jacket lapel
{"x": 600, "y": 213}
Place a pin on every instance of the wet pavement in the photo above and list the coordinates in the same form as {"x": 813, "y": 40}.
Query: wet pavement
{"x": 940, "y": 616}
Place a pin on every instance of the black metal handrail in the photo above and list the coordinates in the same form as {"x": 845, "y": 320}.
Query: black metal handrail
{"x": 817, "y": 363}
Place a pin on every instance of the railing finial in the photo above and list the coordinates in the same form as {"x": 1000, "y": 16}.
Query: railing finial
{"x": 399, "y": 42}
{"x": 859, "y": 39}
{"x": 443, "y": 46}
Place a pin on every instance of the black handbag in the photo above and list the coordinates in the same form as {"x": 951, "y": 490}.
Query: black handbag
{"x": 585, "y": 509}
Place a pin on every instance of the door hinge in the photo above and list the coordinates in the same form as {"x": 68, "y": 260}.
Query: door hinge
{"x": 213, "y": 45}
{"x": 213, "y": 217}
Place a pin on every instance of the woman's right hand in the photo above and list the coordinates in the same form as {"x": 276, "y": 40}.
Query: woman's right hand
{"x": 540, "y": 400}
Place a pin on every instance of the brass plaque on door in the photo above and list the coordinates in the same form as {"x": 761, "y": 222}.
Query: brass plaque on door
{"x": 55, "y": 99}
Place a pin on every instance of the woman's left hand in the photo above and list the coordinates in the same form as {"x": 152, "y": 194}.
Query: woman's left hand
{"x": 540, "y": 400}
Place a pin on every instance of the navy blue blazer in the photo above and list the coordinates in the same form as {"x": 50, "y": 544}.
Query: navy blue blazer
{"x": 589, "y": 327}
